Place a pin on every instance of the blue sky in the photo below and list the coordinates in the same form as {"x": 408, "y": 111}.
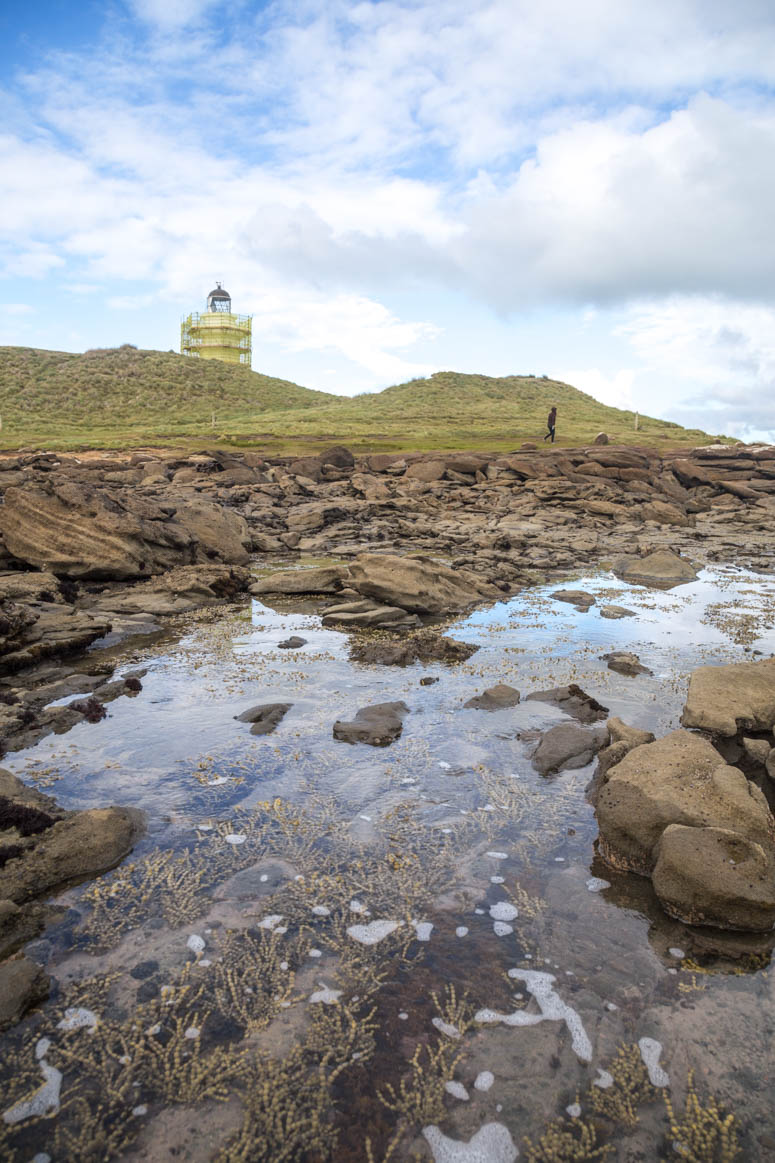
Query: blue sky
{"x": 580, "y": 188}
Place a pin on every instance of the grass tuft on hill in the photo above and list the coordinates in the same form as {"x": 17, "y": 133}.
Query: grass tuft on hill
{"x": 124, "y": 397}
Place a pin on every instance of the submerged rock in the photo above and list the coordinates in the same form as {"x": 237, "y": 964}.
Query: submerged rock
{"x": 495, "y": 698}
{"x": 424, "y": 646}
{"x": 568, "y": 746}
{"x": 22, "y": 985}
{"x": 573, "y": 701}
{"x": 616, "y": 612}
{"x": 378, "y": 725}
{"x": 625, "y": 662}
{"x": 265, "y": 717}
{"x": 292, "y": 643}
{"x": 728, "y": 699}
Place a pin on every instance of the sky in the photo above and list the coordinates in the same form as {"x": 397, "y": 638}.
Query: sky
{"x": 583, "y": 189}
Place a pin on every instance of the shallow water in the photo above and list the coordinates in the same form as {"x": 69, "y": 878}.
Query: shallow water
{"x": 239, "y": 1013}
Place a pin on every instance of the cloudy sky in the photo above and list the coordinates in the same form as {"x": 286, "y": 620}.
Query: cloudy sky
{"x": 577, "y": 188}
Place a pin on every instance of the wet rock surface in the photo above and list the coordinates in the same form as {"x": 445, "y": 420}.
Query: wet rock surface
{"x": 424, "y": 647}
{"x": 22, "y": 985}
{"x": 573, "y": 701}
{"x": 568, "y": 746}
{"x": 378, "y": 725}
{"x": 727, "y": 699}
{"x": 625, "y": 662}
{"x": 265, "y": 718}
{"x": 495, "y": 698}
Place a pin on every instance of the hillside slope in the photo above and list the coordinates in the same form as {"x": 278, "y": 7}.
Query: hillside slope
{"x": 117, "y": 394}
{"x": 120, "y": 397}
{"x": 457, "y": 410}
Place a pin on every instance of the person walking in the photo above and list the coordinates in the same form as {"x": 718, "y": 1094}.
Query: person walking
{"x": 550, "y": 423}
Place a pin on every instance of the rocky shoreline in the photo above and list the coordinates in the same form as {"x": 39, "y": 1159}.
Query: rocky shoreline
{"x": 96, "y": 549}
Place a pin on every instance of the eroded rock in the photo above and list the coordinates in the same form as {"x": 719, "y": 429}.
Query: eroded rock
{"x": 378, "y": 725}
{"x": 726, "y": 699}
{"x": 495, "y": 698}
{"x": 568, "y": 746}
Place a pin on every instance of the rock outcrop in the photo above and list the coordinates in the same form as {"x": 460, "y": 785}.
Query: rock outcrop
{"x": 417, "y": 584}
{"x": 725, "y": 700}
{"x": 662, "y": 569}
{"x": 676, "y": 806}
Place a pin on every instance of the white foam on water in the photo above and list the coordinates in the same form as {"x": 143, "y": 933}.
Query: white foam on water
{"x": 366, "y": 818}
{"x": 321, "y": 911}
{"x": 444, "y": 766}
{"x": 489, "y": 808}
{"x": 192, "y": 1033}
{"x": 403, "y": 1015}
{"x": 271, "y": 922}
{"x": 315, "y": 953}
{"x": 457, "y": 1090}
{"x": 479, "y": 912}
{"x": 559, "y": 860}
{"x": 204, "y": 827}
{"x": 374, "y": 932}
{"x": 461, "y": 931}
{"x": 552, "y": 1007}
{"x": 78, "y": 1018}
{"x": 574, "y": 1110}
{"x": 504, "y": 911}
{"x": 357, "y": 907}
{"x": 423, "y": 929}
{"x": 283, "y": 965}
{"x": 492, "y": 1143}
{"x": 325, "y": 995}
{"x": 235, "y": 838}
{"x": 264, "y": 877}
{"x": 497, "y": 879}
{"x": 139, "y": 1111}
{"x": 205, "y": 963}
{"x": 445, "y": 1028}
{"x": 675, "y": 952}
{"x": 196, "y": 943}
{"x": 603, "y": 1080}
{"x": 611, "y": 1005}
{"x": 43, "y": 1101}
{"x": 597, "y": 884}
{"x": 650, "y": 1050}
{"x": 502, "y": 929}
{"x": 484, "y": 1080}
{"x": 497, "y": 856}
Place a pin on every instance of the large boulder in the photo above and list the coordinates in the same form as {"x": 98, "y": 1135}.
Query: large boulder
{"x": 45, "y": 630}
{"x": 662, "y": 569}
{"x": 418, "y": 584}
{"x": 179, "y": 590}
{"x": 87, "y": 531}
{"x": 367, "y": 615}
{"x": 680, "y": 779}
{"x": 714, "y": 876}
{"x": 728, "y": 699}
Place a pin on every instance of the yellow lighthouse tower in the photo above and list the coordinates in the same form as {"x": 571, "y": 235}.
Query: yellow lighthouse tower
{"x": 217, "y": 333}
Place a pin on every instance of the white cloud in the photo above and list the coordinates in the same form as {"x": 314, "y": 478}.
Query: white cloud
{"x": 612, "y": 389}
{"x": 169, "y": 14}
{"x": 16, "y": 309}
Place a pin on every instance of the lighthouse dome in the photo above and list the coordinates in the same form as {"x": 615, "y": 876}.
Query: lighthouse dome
{"x": 219, "y": 299}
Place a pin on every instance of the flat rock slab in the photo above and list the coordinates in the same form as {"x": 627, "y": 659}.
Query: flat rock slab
{"x": 568, "y": 746}
{"x": 573, "y": 701}
{"x": 322, "y": 580}
{"x": 368, "y": 615}
{"x": 728, "y": 699}
{"x": 495, "y": 698}
{"x": 265, "y": 717}
{"x": 662, "y": 569}
{"x": 418, "y": 584}
{"x": 625, "y": 662}
{"x": 616, "y": 612}
{"x": 574, "y": 597}
{"x": 378, "y": 725}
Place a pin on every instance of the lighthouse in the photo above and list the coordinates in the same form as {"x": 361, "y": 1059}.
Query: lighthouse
{"x": 217, "y": 332}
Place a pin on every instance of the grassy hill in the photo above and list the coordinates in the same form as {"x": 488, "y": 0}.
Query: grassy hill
{"x": 116, "y": 396}
{"x": 122, "y": 397}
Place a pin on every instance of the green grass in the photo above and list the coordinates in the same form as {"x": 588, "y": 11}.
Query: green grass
{"x": 122, "y": 397}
